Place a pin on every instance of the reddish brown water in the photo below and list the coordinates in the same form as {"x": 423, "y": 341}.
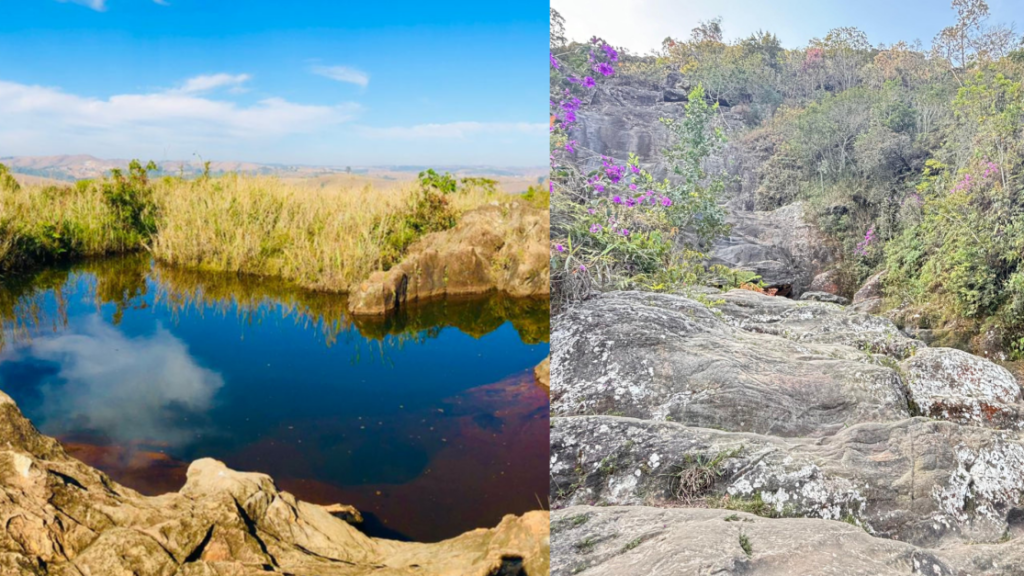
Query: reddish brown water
{"x": 430, "y": 423}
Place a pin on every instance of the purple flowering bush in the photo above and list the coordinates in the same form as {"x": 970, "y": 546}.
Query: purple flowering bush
{"x": 613, "y": 224}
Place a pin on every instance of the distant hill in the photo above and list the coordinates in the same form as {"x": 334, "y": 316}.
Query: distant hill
{"x": 83, "y": 166}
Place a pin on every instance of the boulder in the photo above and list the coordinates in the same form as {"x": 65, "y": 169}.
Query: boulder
{"x": 542, "y": 374}
{"x": 825, "y": 282}
{"x": 501, "y": 247}
{"x": 825, "y": 297}
{"x": 953, "y": 385}
{"x": 869, "y": 298}
{"x": 62, "y": 517}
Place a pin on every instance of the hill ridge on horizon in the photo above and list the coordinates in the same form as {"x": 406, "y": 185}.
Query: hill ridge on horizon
{"x": 83, "y": 166}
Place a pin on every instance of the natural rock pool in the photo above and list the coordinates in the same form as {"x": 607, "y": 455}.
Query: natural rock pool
{"x": 429, "y": 422}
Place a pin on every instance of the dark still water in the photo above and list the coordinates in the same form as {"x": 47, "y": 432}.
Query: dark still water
{"x": 429, "y": 423}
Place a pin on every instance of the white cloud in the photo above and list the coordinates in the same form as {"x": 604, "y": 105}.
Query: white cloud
{"x": 101, "y": 5}
{"x": 179, "y": 120}
{"x": 209, "y": 82}
{"x": 97, "y": 5}
{"x": 455, "y": 130}
{"x": 343, "y": 74}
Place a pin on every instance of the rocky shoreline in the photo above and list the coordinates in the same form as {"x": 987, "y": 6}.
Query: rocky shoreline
{"x": 500, "y": 247}
{"x": 62, "y": 517}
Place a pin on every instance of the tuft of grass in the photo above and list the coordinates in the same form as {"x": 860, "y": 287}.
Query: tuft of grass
{"x": 745, "y": 544}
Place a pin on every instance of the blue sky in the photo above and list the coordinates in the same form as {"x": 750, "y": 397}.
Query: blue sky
{"x": 311, "y": 81}
{"x": 641, "y": 25}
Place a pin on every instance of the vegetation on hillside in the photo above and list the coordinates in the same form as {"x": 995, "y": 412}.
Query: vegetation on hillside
{"x": 614, "y": 225}
{"x": 325, "y": 239}
{"x": 910, "y": 160}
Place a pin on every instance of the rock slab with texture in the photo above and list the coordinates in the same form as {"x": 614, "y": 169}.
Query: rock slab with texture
{"x": 643, "y": 541}
{"x": 665, "y": 357}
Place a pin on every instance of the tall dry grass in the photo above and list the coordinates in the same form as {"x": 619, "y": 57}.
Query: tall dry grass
{"x": 324, "y": 239}
{"x": 327, "y": 239}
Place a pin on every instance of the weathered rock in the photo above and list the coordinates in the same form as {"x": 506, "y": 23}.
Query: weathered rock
{"x": 665, "y": 357}
{"x": 871, "y": 289}
{"x": 542, "y": 373}
{"x": 825, "y": 297}
{"x": 500, "y": 247}
{"x": 62, "y": 517}
{"x": 827, "y": 281}
{"x": 643, "y": 541}
{"x": 780, "y": 246}
{"x": 821, "y": 323}
{"x": 953, "y": 385}
{"x": 920, "y": 481}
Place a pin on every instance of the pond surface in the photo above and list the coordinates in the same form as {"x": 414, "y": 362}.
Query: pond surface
{"x": 430, "y": 422}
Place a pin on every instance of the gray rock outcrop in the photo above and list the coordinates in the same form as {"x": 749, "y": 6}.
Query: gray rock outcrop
{"x": 841, "y": 433}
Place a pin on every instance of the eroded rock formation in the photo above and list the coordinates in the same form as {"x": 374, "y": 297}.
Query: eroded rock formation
{"x": 808, "y": 413}
{"x": 62, "y": 517}
{"x": 500, "y": 247}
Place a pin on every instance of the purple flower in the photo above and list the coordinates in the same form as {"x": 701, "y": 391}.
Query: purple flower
{"x": 591, "y": 210}
{"x": 589, "y": 82}
{"x": 595, "y": 228}
{"x": 569, "y": 146}
{"x": 632, "y": 186}
{"x": 666, "y": 201}
{"x": 551, "y": 186}
{"x": 625, "y": 232}
{"x": 583, "y": 268}
{"x": 569, "y": 117}
{"x": 574, "y": 80}
{"x": 595, "y": 40}
{"x": 554, "y": 62}
{"x": 612, "y": 54}
{"x": 605, "y": 69}
{"x": 634, "y": 168}
{"x": 614, "y": 173}
{"x": 559, "y": 247}
{"x": 617, "y": 199}
{"x": 571, "y": 104}
{"x": 630, "y": 203}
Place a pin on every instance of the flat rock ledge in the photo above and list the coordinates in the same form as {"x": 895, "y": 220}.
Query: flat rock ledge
{"x": 501, "y": 247}
{"x": 64, "y": 518}
{"x": 645, "y": 541}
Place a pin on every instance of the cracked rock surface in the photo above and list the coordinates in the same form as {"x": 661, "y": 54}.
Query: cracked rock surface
{"x": 833, "y": 441}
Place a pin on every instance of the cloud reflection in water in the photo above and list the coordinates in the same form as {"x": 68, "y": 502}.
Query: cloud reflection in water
{"x": 145, "y": 389}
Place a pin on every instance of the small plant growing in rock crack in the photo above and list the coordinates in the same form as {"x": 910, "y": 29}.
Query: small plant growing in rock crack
{"x": 585, "y": 546}
{"x": 745, "y": 544}
{"x": 632, "y": 544}
{"x": 694, "y": 478}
